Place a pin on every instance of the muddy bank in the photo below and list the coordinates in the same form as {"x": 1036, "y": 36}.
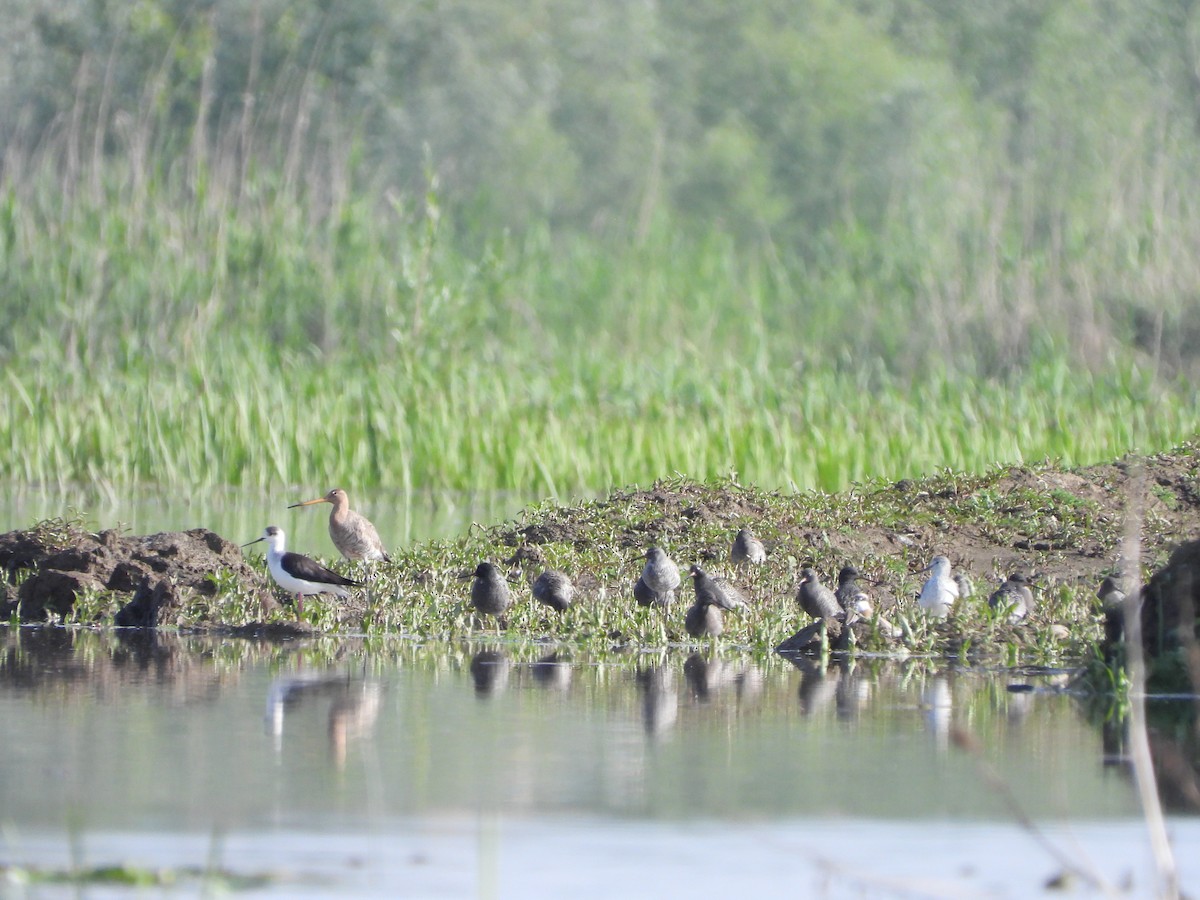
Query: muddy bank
{"x": 155, "y": 575}
{"x": 1061, "y": 527}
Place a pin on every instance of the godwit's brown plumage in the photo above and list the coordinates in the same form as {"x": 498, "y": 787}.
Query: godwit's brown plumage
{"x": 352, "y": 533}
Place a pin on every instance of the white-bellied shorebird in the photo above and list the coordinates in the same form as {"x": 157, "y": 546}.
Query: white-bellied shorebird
{"x": 815, "y": 598}
{"x": 850, "y": 595}
{"x": 940, "y": 591}
{"x": 352, "y": 533}
{"x": 297, "y": 574}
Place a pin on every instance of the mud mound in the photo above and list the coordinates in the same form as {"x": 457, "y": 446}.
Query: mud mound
{"x": 158, "y": 571}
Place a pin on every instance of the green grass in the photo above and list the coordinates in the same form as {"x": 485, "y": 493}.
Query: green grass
{"x": 422, "y": 592}
{"x": 196, "y": 334}
{"x": 543, "y": 430}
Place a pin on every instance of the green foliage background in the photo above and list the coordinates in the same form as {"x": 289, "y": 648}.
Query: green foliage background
{"x": 560, "y": 246}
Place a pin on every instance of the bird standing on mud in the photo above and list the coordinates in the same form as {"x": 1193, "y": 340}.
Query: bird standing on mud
{"x": 940, "y": 591}
{"x": 660, "y": 578}
{"x": 1015, "y": 596}
{"x": 704, "y": 617}
{"x": 716, "y": 590}
{"x": 352, "y": 533}
{"x": 850, "y": 595}
{"x": 815, "y": 598}
{"x": 554, "y": 589}
{"x": 299, "y": 575}
{"x": 489, "y": 590}
{"x": 747, "y": 549}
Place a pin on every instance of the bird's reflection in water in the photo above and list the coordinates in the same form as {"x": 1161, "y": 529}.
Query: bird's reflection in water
{"x": 660, "y": 700}
{"x": 853, "y": 691}
{"x": 489, "y": 671}
{"x": 552, "y": 673}
{"x": 353, "y": 706}
{"x": 937, "y": 703}
{"x": 818, "y": 685}
{"x": 352, "y": 716}
{"x": 705, "y": 677}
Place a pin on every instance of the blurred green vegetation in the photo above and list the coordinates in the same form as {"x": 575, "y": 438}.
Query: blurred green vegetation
{"x": 565, "y": 246}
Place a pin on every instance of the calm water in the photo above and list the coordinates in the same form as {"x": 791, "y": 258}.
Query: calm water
{"x": 241, "y": 514}
{"x": 391, "y": 768}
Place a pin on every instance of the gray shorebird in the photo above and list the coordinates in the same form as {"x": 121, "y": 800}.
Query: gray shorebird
{"x": 1015, "y": 596}
{"x": 660, "y": 575}
{"x": 704, "y": 620}
{"x": 299, "y": 575}
{"x": 850, "y": 595}
{"x": 489, "y": 591}
{"x": 704, "y": 617}
{"x": 816, "y": 599}
{"x": 939, "y": 592}
{"x": 353, "y": 535}
{"x": 715, "y": 591}
{"x": 747, "y": 549}
{"x": 554, "y": 589}
{"x": 966, "y": 588}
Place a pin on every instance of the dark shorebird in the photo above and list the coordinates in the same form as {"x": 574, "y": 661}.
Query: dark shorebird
{"x": 297, "y": 574}
{"x": 353, "y": 535}
{"x": 1111, "y": 594}
{"x": 850, "y": 595}
{"x": 939, "y": 592}
{"x": 747, "y": 549}
{"x": 816, "y": 599}
{"x": 1014, "y": 596}
{"x": 554, "y": 589}
{"x": 660, "y": 576}
{"x": 704, "y": 618}
{"x": 489, "y": 590}
{"x": 646, "y": 597}
{"x": 1112, "y": 590}
{"x": 715, "y": 591}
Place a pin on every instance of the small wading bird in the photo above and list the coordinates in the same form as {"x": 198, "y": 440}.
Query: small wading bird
{"x": 747, "y": 549}
{"x": 489, "y": 591}
{"x": 554, "y": 589}
{"x": 816, "y": 599}
{"x": 353, "y": 535}
{"x": 965, "y": 587}
{"x": 660, "y": 578}
{"x": 299, "y": 575}
{"x": 1015, "y": 596}
{"x": 704, "y": 618}
{"x": 940, "y": 591}
{"x": 850, "y": 596}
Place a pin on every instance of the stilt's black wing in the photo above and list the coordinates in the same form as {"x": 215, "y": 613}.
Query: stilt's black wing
{"x": 301, "y": 566}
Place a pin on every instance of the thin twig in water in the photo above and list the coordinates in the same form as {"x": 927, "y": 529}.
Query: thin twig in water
{"x": 966, "y": 741}
{"x": 1139, "y": 740}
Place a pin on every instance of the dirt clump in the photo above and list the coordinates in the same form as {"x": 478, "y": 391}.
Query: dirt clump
{"x": 159, "y": 571}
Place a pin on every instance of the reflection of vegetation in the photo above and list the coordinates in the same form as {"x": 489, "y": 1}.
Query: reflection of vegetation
{"x": 127, "y": 876}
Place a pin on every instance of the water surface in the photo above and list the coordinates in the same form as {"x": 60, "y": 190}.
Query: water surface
{"x": 386, "y": 766}
{"x": 241, "y": 514}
